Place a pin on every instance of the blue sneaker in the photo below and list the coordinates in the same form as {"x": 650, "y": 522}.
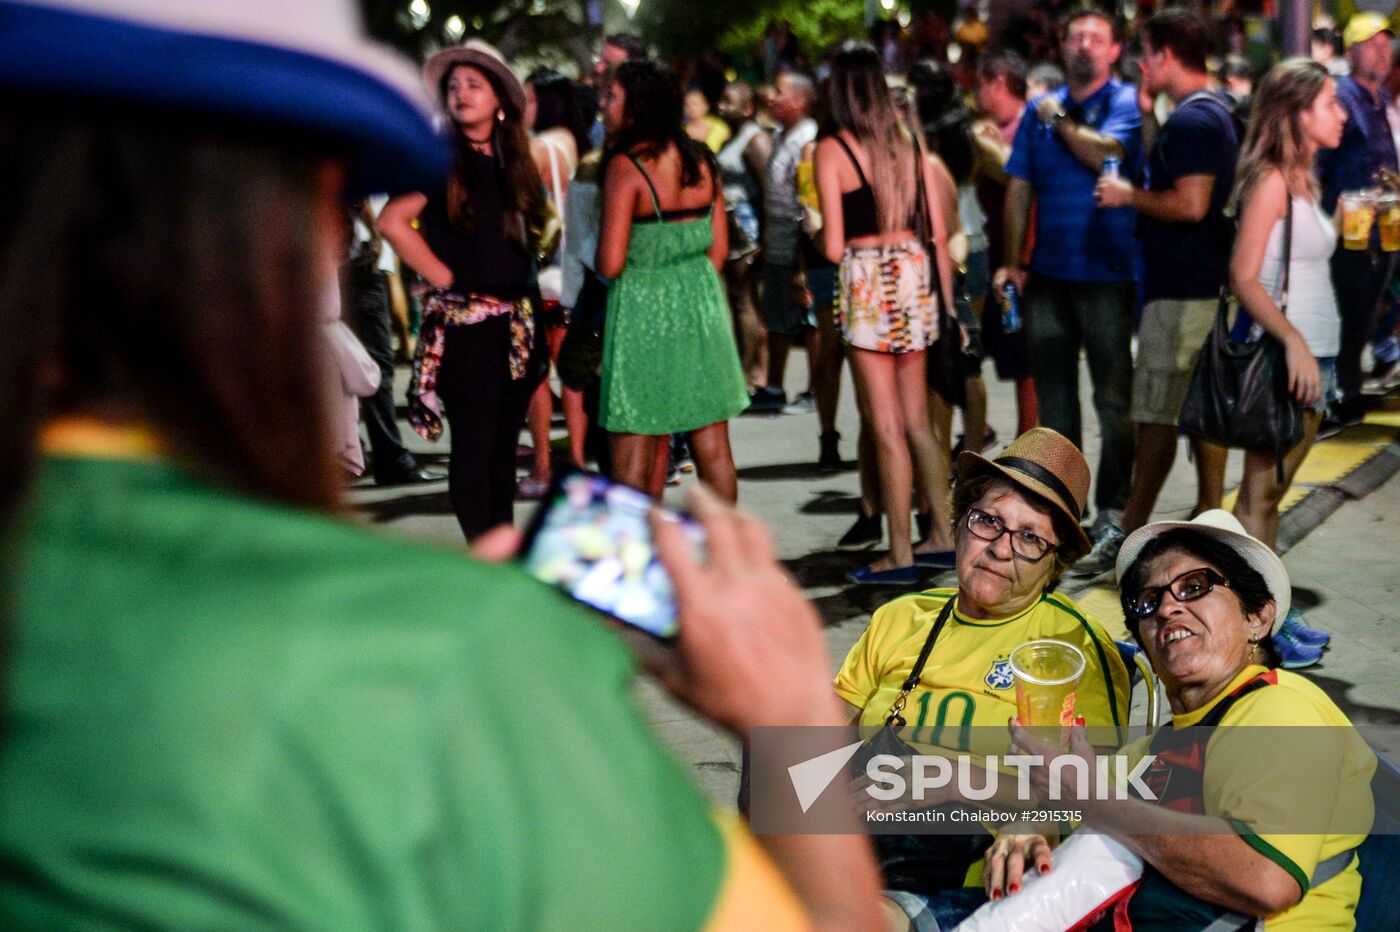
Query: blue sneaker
{"x": 1312, "y": 637}
{"x": 937, "y": 559}
{"x": 1293, "y": 653}
{"x": 899, "y": 576}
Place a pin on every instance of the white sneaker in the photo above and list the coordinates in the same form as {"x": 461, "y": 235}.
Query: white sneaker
{"x": 1384, "y": 379}
{"x": 1104, "y": 556}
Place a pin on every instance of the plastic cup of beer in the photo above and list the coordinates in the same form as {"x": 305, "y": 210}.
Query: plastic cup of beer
{"x": 1358, "y": 213}
{"x": 1047, "y": 683}
{"x": 1388, "y": 219}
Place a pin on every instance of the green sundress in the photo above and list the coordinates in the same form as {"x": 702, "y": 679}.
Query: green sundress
{"x": 670, "y": 364}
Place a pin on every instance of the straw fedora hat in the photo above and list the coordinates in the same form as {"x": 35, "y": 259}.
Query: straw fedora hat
{"x": 305, "y": 65}
{"x": 1226, "y": 528}
{"x": 1046, "y": 463}
{"x": 478, "y": 54}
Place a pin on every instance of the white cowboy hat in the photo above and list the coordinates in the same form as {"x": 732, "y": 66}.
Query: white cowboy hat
{"x": 478, "y": 54}
{"x": 1226, "y": 528}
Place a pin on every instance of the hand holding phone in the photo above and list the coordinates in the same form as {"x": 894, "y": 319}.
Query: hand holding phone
{"x": 592, "y": 539}
{"x": 749, "y": 649}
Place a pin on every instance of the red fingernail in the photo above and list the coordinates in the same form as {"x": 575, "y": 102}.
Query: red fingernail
{"x": 1045, "y": 868}
{"x": 1014, "y": 888}
{"x": 996, "y": 894}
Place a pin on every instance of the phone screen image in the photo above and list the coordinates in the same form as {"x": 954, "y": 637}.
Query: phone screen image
{"x": 592, "y": 541}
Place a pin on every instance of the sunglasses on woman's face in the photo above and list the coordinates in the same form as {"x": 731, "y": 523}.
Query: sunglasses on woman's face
{"x": 1188, "y": 587}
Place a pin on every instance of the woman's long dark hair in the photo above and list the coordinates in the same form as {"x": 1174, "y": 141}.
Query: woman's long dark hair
{"x": 524, "y": 191}
{"x": 653, "y": 111}
{"x": 944, "y": 119}
{"x": 556, "y": 105}
{"x": 861, "y": 105}
{"x": 164, "y": 272}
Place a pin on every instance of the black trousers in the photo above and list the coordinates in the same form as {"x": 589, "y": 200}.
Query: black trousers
{"x": 1359, "y": 278}
{"x": 365, "y": 306}
{"x": 485, "y": 411}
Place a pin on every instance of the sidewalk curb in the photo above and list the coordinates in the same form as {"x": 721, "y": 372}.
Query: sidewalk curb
{"x": 1319, "y": 504}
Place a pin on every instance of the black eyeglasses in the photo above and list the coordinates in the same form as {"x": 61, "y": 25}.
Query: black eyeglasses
{"x": 1187, "y": 587}
{"x": 1024, "y": 544}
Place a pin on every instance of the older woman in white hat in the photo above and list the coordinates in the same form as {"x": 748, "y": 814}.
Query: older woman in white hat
{"x": 1249, "y": 823}
{"x": 222, "y": 707}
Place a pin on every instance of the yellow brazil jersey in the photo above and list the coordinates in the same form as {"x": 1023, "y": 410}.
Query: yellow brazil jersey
{"x": 1252, "y": 783}
{"x": 967, "y": 680}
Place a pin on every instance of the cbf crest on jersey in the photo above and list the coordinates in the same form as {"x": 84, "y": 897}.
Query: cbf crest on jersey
{"x": 999, "y": 675}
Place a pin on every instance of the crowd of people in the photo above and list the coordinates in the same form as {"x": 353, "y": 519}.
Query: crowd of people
{"x": 1035, "y": 213}
{"x": 225, "y": 706}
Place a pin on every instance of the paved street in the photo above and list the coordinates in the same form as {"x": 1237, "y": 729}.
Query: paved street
{"x": 1344, "y": 570}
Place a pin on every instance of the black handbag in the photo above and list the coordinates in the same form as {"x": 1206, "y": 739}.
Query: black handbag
{"x": 1239, "y": 393}
{"x": 581, "y": 354}
{"x": 923, "y": 864}
{"x": 947, "y": 359}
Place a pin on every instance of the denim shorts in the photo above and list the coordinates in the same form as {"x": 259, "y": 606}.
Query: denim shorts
{"x": 1331, "y": 391}
{"x": 978, "y": 278}
{"x": 937, "y": 913}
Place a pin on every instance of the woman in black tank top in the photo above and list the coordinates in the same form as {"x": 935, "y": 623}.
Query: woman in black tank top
{"x": 886, "y": 305}
{"x": 476, "y": 362}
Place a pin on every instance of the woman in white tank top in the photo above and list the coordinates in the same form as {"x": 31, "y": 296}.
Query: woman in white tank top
{"x": 551, "y": 115}
{"x": 1296, "y": 113}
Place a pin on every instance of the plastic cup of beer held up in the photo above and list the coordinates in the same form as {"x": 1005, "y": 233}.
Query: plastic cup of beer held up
{"x": 1358, "y": 214}
{"x": 1047, "y": 683}
{"x": 1388, "y": 219}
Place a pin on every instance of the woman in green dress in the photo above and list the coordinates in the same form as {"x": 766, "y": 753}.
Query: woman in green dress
{"x": 670, "y": 364}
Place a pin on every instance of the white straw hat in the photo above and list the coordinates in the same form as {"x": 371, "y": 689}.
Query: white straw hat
{"x": 1226, "y": 528}
{"x": 478, "y": 54}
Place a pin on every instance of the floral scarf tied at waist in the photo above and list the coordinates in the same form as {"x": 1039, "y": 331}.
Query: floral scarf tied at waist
{"x": 443, "y": 309}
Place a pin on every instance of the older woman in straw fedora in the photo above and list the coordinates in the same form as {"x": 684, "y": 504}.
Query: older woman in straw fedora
{"x": 1017, "y": 530}
{"x": 477, "y": 361}
{"x": 1249, "y": 823}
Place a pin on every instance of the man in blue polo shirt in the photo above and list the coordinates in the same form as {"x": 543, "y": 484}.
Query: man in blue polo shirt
{"x": 1079, "y": 293}
{"x": 1359, "y": 276}
{"x": 1186, "y": 240}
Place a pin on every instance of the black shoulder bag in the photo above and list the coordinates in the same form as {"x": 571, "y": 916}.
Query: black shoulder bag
{"x": 1239, "y": 393}
{"x": 919, "y": 863}
{"x": 947, "y": 360}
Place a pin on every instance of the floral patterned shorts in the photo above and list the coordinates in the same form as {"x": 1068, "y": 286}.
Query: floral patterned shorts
{"x": 886, "y": 304}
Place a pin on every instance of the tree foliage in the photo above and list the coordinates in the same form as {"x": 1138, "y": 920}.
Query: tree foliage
{"x": 543, "y": 29}
{"x": 735, "y": 27}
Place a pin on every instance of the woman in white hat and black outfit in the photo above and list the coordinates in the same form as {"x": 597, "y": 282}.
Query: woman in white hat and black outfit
{"x": 475, "y": 246}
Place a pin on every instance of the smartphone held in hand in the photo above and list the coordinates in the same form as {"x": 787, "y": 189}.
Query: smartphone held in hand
{"x": 591, "y": 539}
